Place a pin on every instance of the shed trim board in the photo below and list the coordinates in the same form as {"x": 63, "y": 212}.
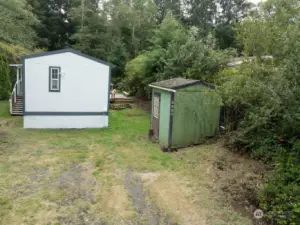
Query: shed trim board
{"x": 67, "y": 50}
{"x": 171, "y": 118}
{"x": 151, "y": 117}
{"x": 23, "y": 81}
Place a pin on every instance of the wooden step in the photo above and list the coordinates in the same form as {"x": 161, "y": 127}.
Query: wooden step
{"x": 16, "y": 114}
{"x": 18, "y": 106}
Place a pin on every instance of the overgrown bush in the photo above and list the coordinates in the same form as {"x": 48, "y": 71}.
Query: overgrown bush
{"x": 5, "y": 83}
{"x": 280, "y": 197}
{"x": 261, "y": 100}
{"x": 261, "y": 108}
{"x": 11, "y": 54}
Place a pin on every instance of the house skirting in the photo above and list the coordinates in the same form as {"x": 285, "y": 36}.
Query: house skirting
{"x": 65, "y": 121}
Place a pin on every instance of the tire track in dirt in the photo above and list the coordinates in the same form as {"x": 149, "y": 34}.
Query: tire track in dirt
{"x": 147, "y": 211}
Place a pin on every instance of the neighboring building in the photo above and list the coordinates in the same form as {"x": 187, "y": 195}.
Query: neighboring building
{"x": 236, "y": 62}
{"x": 184, "y": 112}
{"x": 62, "y": 89}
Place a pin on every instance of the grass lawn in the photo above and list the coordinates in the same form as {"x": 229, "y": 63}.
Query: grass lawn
{"x": 4, "y": 109}
{"x": 109, "y": 176}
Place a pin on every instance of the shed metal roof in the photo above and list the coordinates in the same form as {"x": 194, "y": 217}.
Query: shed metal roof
{"x": 178, "y": 83}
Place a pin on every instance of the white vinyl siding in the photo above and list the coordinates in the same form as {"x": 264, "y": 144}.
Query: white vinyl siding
{"x": 83, "y": 84}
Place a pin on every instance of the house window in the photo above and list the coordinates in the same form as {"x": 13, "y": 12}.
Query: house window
{"x": 54, "y": 79}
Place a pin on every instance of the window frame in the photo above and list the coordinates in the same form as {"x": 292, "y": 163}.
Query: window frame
{"x": 58, "y": 68}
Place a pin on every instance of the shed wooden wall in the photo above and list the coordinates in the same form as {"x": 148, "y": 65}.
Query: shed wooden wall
{"x": 196, "y": 115}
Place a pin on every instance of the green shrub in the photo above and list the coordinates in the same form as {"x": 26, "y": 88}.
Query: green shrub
{"x": 5, "y": 83}
{"x": 281, "y": 195}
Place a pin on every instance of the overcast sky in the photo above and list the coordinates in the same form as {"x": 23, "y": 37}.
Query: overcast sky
{"x": 255, "y": 1}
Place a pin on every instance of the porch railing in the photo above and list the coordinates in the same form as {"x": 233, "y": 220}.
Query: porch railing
{"x": 13, "y": 98}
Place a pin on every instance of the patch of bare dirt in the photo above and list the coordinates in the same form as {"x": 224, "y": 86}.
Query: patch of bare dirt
{"x": 177, "y": 196}
{"x": 39, "y": 174}
{"x": 3, "y": 134}
{"x": 8, "y": 123}
{"x": 3, "y": 137}
{"x": 79, "y": 217}
{"x": 76, "y": 183}
{"x": 147, "y": 211}
{"x": 240, "y": 179}
{"x": 31, "y": 188}
{"x": 142, "y": 138}
{"x": 78, "y": 187}
{"x": 225, "y": 177}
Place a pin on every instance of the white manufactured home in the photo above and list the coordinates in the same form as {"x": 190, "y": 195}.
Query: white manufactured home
{"x": 62, "y": 89}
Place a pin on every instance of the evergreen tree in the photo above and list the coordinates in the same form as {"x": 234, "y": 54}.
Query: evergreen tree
{"x": 5, "y": 83}
{"x": 55, "y": 28}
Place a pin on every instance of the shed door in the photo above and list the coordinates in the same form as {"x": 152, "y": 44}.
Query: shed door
{"x": 155, "y": 114}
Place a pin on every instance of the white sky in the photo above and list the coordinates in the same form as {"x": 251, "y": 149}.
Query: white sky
{"x": 255, "y": 1}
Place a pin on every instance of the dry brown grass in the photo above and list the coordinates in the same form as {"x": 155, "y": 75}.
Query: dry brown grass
{"x": 188, "y": 207}
{"x": 116, "y": 201}
{"x": 79, "y": 177}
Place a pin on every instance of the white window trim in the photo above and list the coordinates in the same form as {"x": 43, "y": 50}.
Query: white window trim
{"x": 51, "y": 79}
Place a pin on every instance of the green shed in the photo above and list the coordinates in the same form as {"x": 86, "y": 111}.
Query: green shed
{"x": 184, "y": 112}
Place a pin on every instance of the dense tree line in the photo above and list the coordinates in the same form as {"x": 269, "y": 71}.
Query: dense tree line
{"x": 115, "y": 30}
